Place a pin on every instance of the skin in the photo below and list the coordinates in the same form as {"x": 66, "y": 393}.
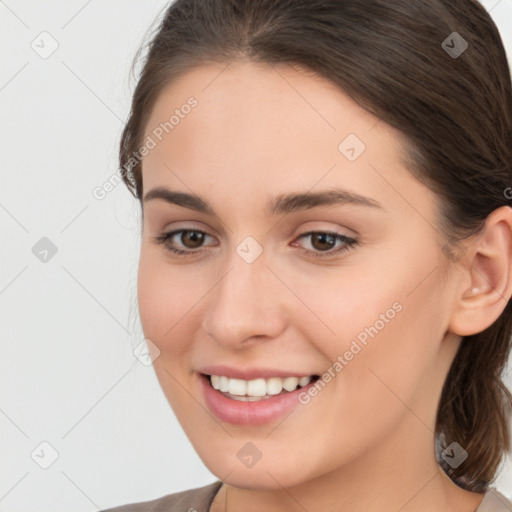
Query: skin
{"x": 366, "y": 441}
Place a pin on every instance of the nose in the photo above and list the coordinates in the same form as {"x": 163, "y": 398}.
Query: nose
{"x": 245, "y": 306}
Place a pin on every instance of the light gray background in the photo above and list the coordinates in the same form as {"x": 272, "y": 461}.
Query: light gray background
{"x": 69, "y": 377}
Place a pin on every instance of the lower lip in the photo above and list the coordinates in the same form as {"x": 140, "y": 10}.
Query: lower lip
{"x": 249, "y": 413}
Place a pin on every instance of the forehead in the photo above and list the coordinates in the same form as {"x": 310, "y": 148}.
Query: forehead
{"x": 255, "y": 97}
{"x": 264, "y": 129}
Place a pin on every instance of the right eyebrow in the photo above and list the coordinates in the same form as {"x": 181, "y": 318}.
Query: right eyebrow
{"x": 281, "y": 204}
{"x": 191, "y": 201}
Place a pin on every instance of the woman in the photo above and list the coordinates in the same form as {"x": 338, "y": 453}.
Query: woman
{"x": 325, "y": 271}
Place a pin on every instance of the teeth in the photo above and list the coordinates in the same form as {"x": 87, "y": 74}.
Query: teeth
{"x": 275, "y": 385}
{"x": 291, "y": 383}
{"x": 304, "y": 381}
{"x": 257, "y": 387}
{"x": 238, "y": 387}
{"x": 224, "y": 384}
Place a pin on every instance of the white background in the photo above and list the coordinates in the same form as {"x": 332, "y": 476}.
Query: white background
{"x": 68, "y": 373}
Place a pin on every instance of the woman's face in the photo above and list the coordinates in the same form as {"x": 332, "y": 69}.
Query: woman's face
{"x": 365, "y": 303}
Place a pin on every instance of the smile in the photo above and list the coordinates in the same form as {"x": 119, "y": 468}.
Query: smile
{"x": 253, "y": 402}
{"x": 257, "y": 389}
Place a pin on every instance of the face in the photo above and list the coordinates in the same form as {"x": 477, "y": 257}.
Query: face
{"x": 345, "y": 281}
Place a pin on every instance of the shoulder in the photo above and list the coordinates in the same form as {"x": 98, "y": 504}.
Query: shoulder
{"x": 494, "y": 501}
{"x": 198, "y": 499}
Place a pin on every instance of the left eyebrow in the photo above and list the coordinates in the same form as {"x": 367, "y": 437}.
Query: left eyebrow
{"x": 281, "y": 204}
{"x": 287, "y": 203}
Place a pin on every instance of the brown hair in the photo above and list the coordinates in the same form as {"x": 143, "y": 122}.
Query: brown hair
{"x": 454, "y": 112}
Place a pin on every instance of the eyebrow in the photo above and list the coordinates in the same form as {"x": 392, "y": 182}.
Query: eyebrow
{"x": 281, "y": 204}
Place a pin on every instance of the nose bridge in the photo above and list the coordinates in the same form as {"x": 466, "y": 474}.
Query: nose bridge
{"x": 244, "y": 302}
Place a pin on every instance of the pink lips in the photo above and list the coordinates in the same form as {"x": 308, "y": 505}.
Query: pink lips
{"x": 249, "y": 413}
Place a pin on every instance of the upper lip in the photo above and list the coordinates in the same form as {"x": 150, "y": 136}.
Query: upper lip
{"x": 250, "y": 373}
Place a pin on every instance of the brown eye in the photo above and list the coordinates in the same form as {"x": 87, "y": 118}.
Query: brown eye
{"x": 326, "y": 243}
{"x": 192, "y": 239}
{"x": 183, "y": 241}
{"x": 323, "y": 241}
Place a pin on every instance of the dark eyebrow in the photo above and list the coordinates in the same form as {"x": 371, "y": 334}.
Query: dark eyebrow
{"x": 284, "y": 203}
{"x": 184, "y": 199}
{"x": 287, "y": 203}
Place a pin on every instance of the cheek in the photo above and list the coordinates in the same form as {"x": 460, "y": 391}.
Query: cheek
{"x": 387, "y": 343}
{"x": 166, "y": 297}
{"x": 380, "y": 327}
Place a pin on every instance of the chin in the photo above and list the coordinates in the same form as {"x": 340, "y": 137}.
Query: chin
{"x": 264, "y": 475}
{"x": 273, "y": 478}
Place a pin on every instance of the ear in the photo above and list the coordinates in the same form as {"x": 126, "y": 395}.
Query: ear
{"x": 486, "y": 286}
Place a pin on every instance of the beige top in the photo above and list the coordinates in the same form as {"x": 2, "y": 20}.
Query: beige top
{"x": 200, "y": 499}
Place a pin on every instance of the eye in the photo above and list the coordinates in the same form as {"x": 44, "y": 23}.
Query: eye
{"x": 323, "y": 243}
{"x": 190, "y": 239}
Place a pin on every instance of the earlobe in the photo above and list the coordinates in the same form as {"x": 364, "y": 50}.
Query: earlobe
{"x": 488, "y": 267}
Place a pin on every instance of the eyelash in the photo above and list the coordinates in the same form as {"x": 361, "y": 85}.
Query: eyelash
{"x": 349, "y": 243}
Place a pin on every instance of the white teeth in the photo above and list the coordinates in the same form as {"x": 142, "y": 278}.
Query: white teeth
{"x": 257, "y": 387}
{"x": 215, "y": 380}
{"x": 274, "y": 385}
{"x": 237, "y": 387}
{"x": 291, "y": 383}
{"x": 304, "y": 381}
{"x": 224, "y": 384}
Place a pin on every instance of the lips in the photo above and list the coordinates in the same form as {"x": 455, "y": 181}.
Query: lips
{"x": 249, "y": 412}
